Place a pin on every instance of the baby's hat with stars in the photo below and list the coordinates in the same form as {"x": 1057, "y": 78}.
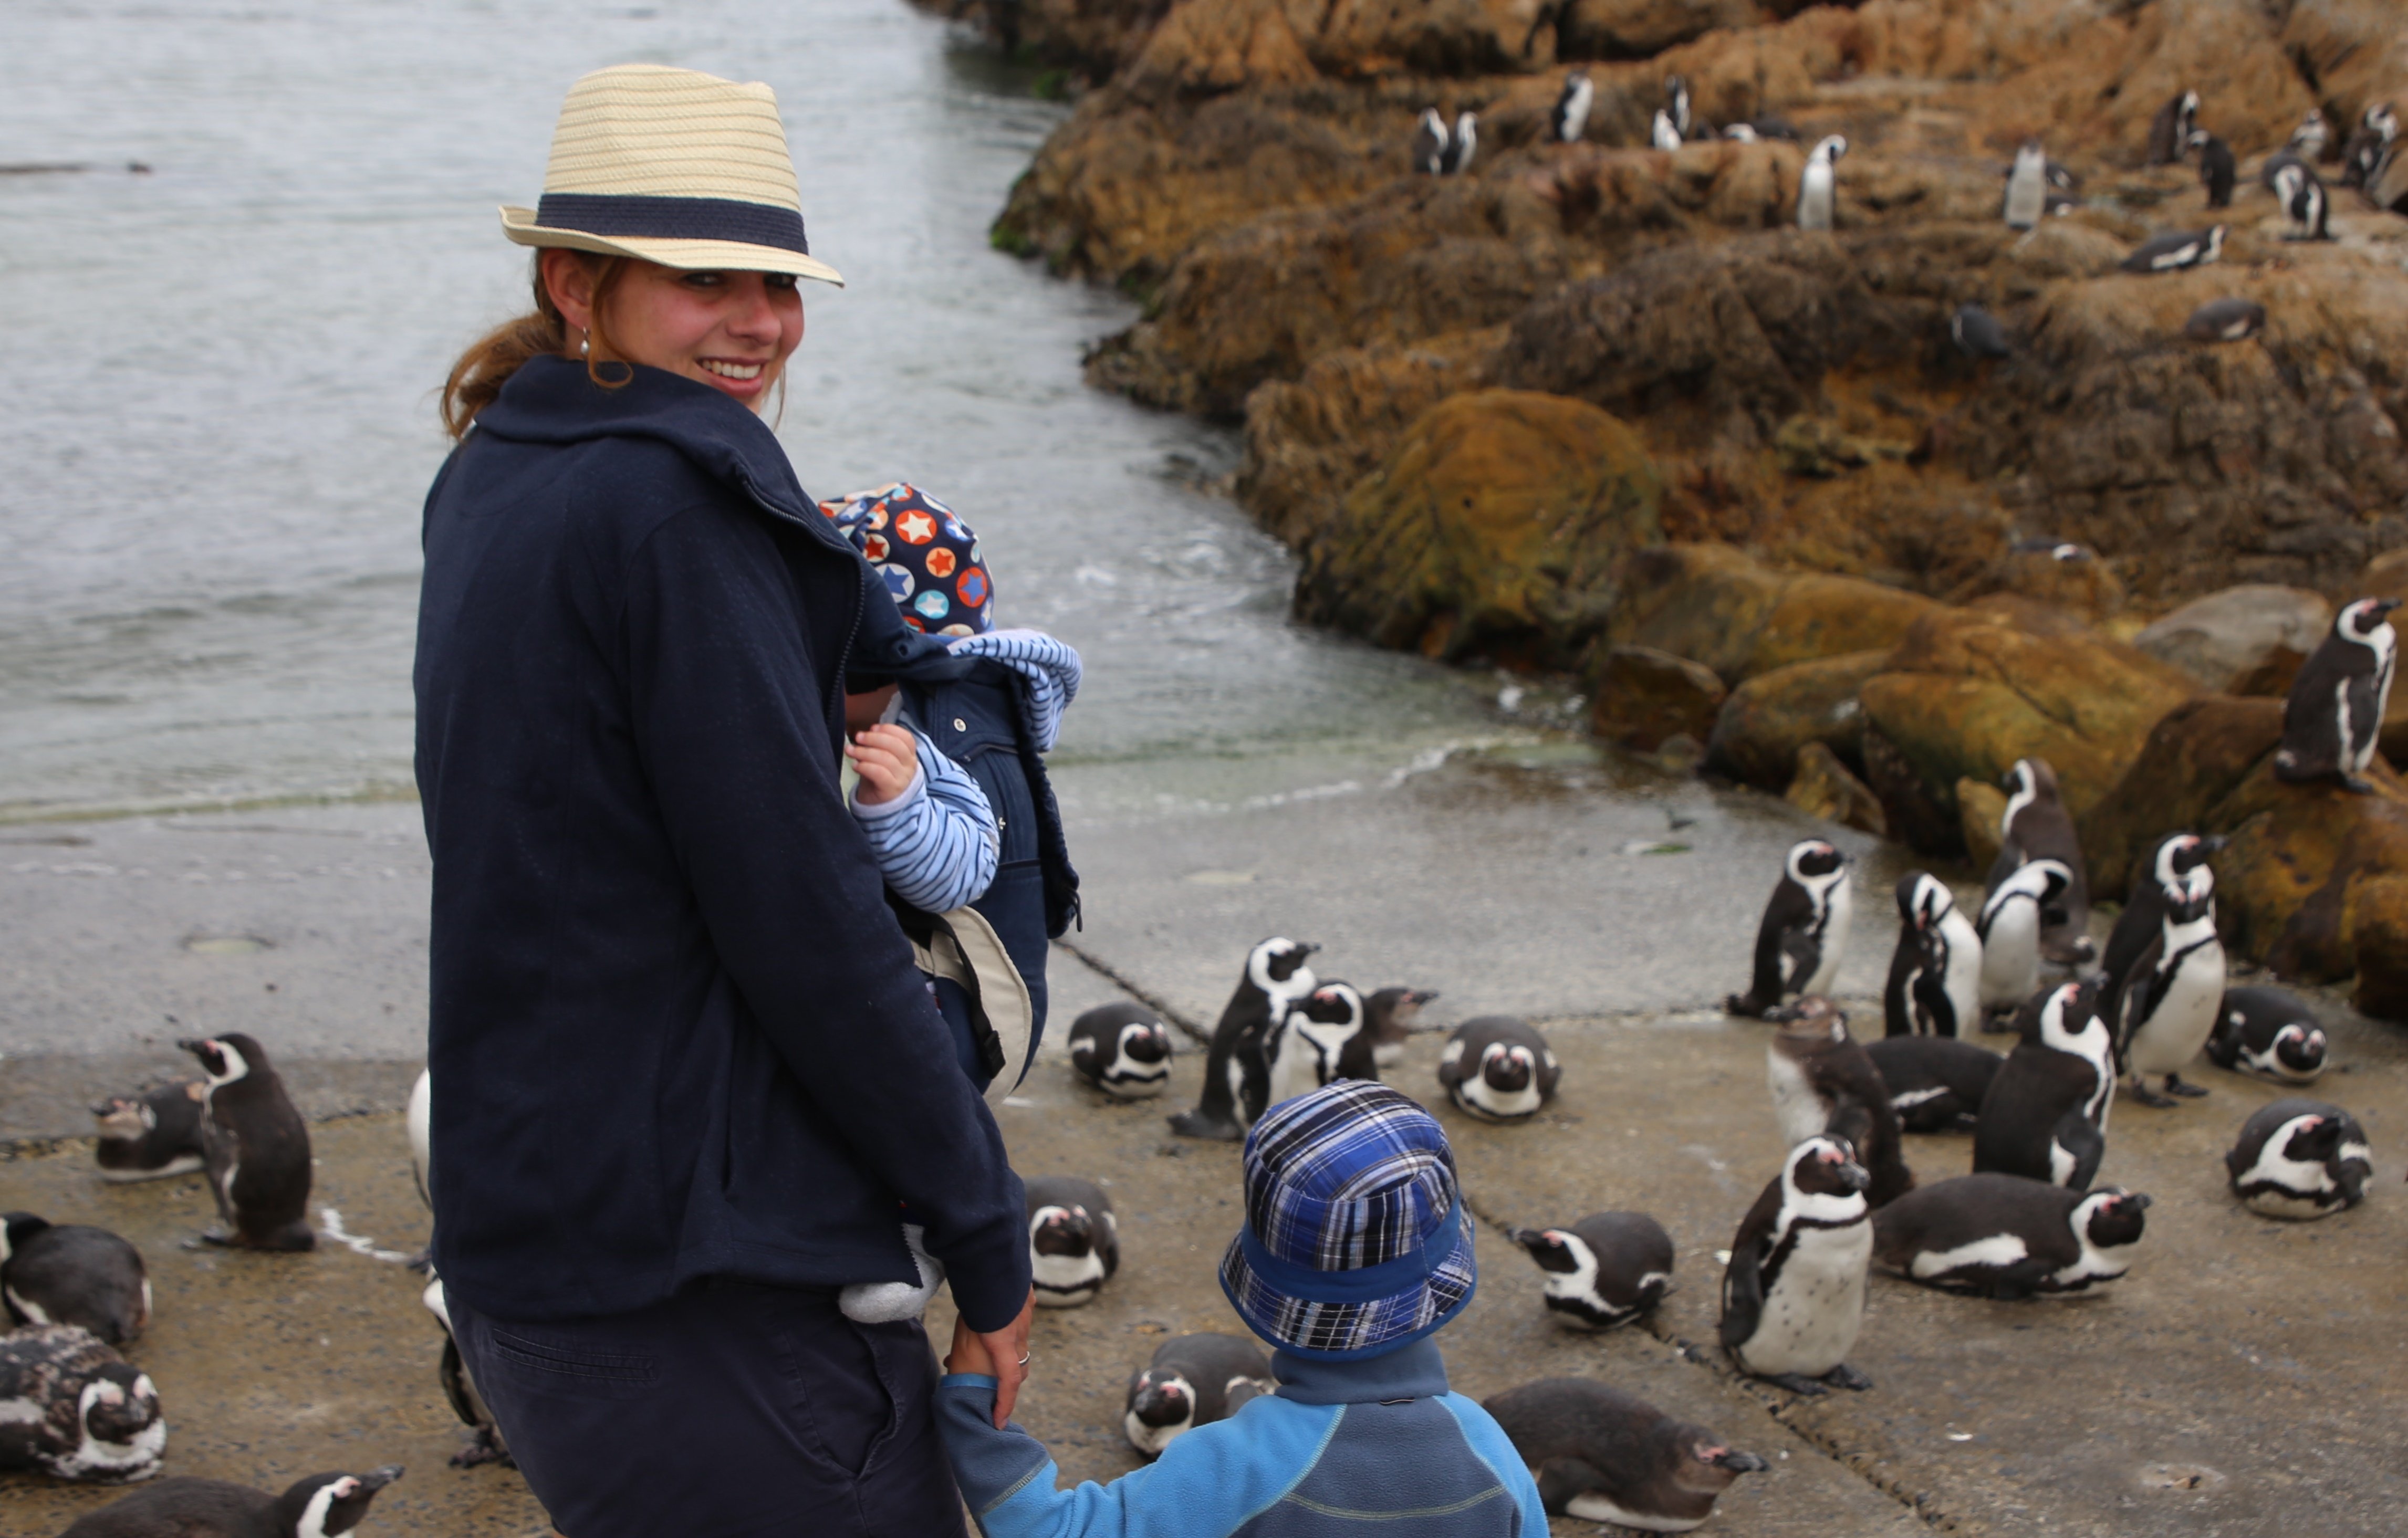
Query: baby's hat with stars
{"x": 928, "y": 556}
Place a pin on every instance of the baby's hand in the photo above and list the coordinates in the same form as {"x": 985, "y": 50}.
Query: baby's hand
{"x": 888, "y": 757}
{"x": 969, "y": 1352}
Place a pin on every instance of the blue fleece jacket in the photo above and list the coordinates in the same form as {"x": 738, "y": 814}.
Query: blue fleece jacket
{"x": 679, "y": 1032}
{"x": 1341, "y": 1445}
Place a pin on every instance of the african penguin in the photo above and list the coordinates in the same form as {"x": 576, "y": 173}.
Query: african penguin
{"x": 1804, "y": 931}
{"x": 2045, "y": 1114}
{"x": 2309, "y": 139}
{"x": 2217, "y": 170}
{"x": 1123, "y": 1049}
{"x": 418, "y": 1119}
{"x": 2300, "y": 193}
{"x": 1193, "y": 1380}
{"x": 1388, "y": 1020}
{"x": 2300, "y": 1158}
{"x": 1661, "y": 134}
{"x": 256, "y": 1147}
{"x": 2026, "y": 196}
{"x": 1460, "y": 145}
{"x": 1602, "y": 1455}
{"x": 1977, "y": 332}
{"x": 2270, "y": 169}
{"x": 2171, "y": 129}
{"x": 1935, "y": 974}
{"x": 1604, "y": 1271}
{"x": 1497, "y": 1068}
{"x": 323, "y": 1505}
{"x": 2164, "y": 875}
{"x": 1429, "y": 142}
{"x": 72, "y": 1408}
{"x": 68, "y": 1274}
{"x": 2377, "y": 127}
{"x": 485, "y": 1444}
{"x": 2037, "y": 826}
{"x": 2168, "y": 1001}
{"x": 1936, "y": 1083}
{"x": 1320, "y": 1040}
{"x": 2013, "y": 917}
{"x": 1823, "y": 1082}
{"x": 2334, "y": 711}
{"x": 1740, "y": 133}
{"x": 2174, "y": 252}
{"x": 1237, "y": 1076}
{"x": 2224, "y": 321}
{"x": 2267, "y": 1032}
{"x": 1794, "y": 1293}
{"x": 2006, "y": 1236}
{"x": 1818, "y": 184}
{"x": 1676, "y": 103}
{"x": 1074, "y": 1244}
{"x": 150, "y": 1135}
{"x": 1570, "y": 119}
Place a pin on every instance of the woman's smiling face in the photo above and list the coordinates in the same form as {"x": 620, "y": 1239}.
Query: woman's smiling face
{"x": 732, "y": 331}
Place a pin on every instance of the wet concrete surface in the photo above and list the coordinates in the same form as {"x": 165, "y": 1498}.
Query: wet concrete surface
{"x": 2242, "y": 1380}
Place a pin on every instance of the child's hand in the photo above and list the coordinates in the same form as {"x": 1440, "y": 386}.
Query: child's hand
{"x": 888, "y": 758}
{"x": 970, "y": 1353}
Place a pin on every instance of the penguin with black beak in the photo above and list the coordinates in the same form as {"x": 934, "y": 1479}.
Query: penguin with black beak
{"x": 1602, "y": 1455}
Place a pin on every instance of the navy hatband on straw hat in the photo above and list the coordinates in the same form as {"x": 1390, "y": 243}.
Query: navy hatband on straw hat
{"x": 674, "y": 218}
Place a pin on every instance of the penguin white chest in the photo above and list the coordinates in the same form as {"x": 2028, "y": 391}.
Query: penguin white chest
{"x": 1796, "y": 1106}
{"x": 2178, "y": 1027}
{"x": 1816, "y": 1306}
{"x": 2011, "y": 954}
{"x": 1963, "y": 978}
{"x": 1593, "y": 1507}
{"x": 1831, "y": 939}
{"x": 1066, "y": 1280}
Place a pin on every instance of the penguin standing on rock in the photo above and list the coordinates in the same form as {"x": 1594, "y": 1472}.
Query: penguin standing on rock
{"x": 2334, "y": 712}
{"x": 2377, "y": 127}
{"x": 1602, "y": 1455}
{"x": 72, "y": 1408}
{"x": 1804, "y": 931}
{"x": 1389, "y": 1016}
{"x": 2037, "y": 826}
{"x": 1794, "y": 1293}
{"x": 2009, "y": 927}
{"x": 2172, "y": 128}
{"x": 1194, "y": 1380}
{"x": 2168, "y": 1000}
{"x": 2301, "y": 1158}
{"x": 256, "y": 1147}
{"x": 1460, "y": 145}
{"x": 2004, "y": 1236}
{"x": 1570, "y": 118}
{"x": 68, "y": 1274}
{"x": 1497, "y": 1068}
{"x": 2175, "y": 252}
{"x": 1121, "y": 1050}
{"x": 1676, "y": 103}
{"x": 1935, "y": 974}
{"x": 2045, "y": 1115}
{"x": 323, "y": 1505}
{"x": 2300, "y": 193}
{"x": 2309, "y": 139}
{"x": 1429, "y": 142}
{"x": 1237, "y": 1076}
{"x": 1936, "y": 1084}
{"x": 1818, "y": 184}
{"x": 2268, "y": 1032}
{"x": 150, "y": 1135}
{"x": 1822, "y": 1081}
{"x": 2026, "y": 196}
{"x": 1074, "y": 1243}
{"x": 1661, "y": 131}
{"x": 1603, "y": 1271}
{"x": 2217, "y": 170}
{"x": 1320, "y": 1040}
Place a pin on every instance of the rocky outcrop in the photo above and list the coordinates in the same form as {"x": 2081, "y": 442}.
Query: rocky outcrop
{"x": 1768, "y": 719}
{"x": 1642, "y": 698}
{"x": 2245, "y": 640}
{"x": 1717, "y": 606}
{"x": 1822, "y": 787}
{"x": 1092, "y": 37}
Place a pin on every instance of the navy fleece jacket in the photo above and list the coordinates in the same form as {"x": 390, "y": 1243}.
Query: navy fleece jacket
{"x": 674, "y": 1029}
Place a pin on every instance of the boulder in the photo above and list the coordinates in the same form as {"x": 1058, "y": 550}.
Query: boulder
{"x": 2246, "y": 640}
{"x": 2059, "y": 574}
{"x": 1718, "y": 605}
{"x": 2377, "y": 917}
{"x": 1092, "y": 37}
{"x": 1980, "y": 806}
{"x": 2285, "y": 879}
{"x": 2194, "y": 757}
{"x": 1640, "y": 29}
{"x": 1644, "y": 697}
{"x": 1768, "y": 719}
{"x": 1910, "y": 810}
{"x": 1501, "y": 526}
{"x": 1821, "y": 785}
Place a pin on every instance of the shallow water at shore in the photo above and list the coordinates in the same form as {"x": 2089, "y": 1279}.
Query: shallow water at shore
{"x": 208, "y": 528}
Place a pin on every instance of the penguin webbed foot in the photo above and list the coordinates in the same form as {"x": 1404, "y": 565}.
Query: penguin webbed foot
{"x": 1845, "y": 1377}
{"x": 1742, "y": 1005}
{"x": 2357, "y": 784}
{"x": 1196, "y": 1124}
{"x": 1799, "y": 1383}
{"x": 2149, "y": 1097}
{"x": 2175, "y": 1085}
{"x": 423, "y": 1262}
{"x": 481, "y": 1448}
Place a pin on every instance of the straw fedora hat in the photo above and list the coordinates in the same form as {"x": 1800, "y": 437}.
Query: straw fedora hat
{"x": 672, "y": 167}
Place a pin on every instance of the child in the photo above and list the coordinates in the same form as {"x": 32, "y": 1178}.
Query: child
{"x": 929, "y": 826}
{"x": 1363, "y": 1427}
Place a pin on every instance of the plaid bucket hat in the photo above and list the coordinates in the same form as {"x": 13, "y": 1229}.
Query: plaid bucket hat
{"x": 1354, "y": 1239}
{"x": 931, "y": 562}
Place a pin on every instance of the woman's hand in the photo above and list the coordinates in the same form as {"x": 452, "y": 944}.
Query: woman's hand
{"x": 1001, "y": 1355}
{"x": 888, "y": 757}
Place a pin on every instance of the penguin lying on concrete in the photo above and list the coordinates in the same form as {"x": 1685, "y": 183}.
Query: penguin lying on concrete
{"x": 2045, "y": 1116}
{"x": 1804, "y": 931}
{"x": 323, "y": 1505}
{"x": 1074, "y": 1244}
{"x": 2004, "y": 1236}
{"x": 1389, "y": 1016}
{"x": 2177, "y": 251}
{"x": 1603, "y": 1271}
{"x": 486, "y": 1443}
{"x": 1123, "y": 1049}
{"x": 1602, "y": 1455}
{"x": 1822, "y": 1081}
{"x": 1236, "y": 1076}
{"x": 2301, "y": 1158}
{"x": 1320, "y": 1040}
{"x": 256, "y": 1147}
{"x": 1194, "y": 1380}
{"x": 2157, "y": 880}
{"x": 2334, "y": 711}
{"x": 1794, "y": 1293}
{"x": 1498, "y": 1068}
{"x": 1935, "y": 1084}
{"x": 68, "y": 1274}
{"x": 2017, "y": 912}
{"x": 150, "y": 1135}
{"x": 2267, "y": 1032}
{"x": 1935, "y": 972}
{"x": 72, "y": 1408}
{"x": 2037, "y": 826}
{"x": 2168, "y": 1001}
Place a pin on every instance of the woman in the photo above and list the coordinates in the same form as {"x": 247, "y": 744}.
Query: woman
{"x": 687, "y": 1069}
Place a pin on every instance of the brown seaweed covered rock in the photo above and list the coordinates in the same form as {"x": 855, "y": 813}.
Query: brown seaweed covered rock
{"x": 1716, "y": 604}
{"x": 1767, "y": 719}
{"x": 2194, "y": 757}
{"x": 1822, "y": 787}
{"x": 1500, "y": 526}
{"x": 1642, "y": 698}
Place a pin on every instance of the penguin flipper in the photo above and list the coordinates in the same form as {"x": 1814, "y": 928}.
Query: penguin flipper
{"x": 1560, "y": 1480}
{"x": 1743, "y": 1298}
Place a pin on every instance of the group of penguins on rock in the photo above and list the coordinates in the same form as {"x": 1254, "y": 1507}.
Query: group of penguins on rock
{"x": 71, "y": 1406}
